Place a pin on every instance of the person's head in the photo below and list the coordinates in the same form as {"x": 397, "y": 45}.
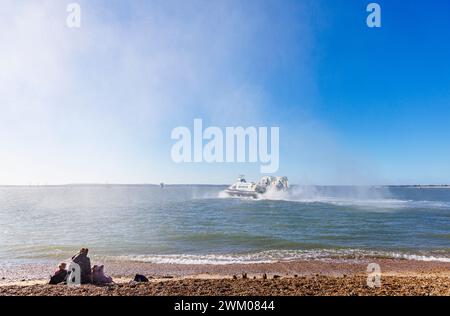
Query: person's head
{"x": 97, "y": 269}
{"x": 84, "y": 251}
{"x": 62, "y": 266}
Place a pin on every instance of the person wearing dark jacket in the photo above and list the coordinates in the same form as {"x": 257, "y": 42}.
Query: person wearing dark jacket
{"x": 60, "y": 275}
{"x": 84, "y": 262}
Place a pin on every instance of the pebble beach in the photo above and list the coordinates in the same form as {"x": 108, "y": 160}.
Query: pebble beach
{"x": 297, "y": 278}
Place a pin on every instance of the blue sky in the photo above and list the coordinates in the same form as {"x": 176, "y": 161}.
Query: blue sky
{"x": 354, "y": 105}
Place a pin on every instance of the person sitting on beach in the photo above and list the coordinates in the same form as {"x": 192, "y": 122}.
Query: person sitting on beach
{"x": 60, "y": 275}
{"x": 84, "y": 262}
{"x": 99, "y": 277}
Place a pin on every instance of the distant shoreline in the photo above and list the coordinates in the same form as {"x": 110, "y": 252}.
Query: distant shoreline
{"x": 419, "y": 186}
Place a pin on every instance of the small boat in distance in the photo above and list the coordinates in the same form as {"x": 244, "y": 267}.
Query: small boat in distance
{"x": 242, "y": 188}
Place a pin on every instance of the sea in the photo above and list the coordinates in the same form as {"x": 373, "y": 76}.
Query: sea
{"x": 200, "y": 224}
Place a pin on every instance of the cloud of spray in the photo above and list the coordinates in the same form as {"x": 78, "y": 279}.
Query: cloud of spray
{"x": 93, "y": 104}
{"x": 94, "y": 92}
{"x": 86, "y": 104}
{"x": 340, "y": 195}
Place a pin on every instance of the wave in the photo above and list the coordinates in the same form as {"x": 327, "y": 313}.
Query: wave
{"x": 272, "y": 256}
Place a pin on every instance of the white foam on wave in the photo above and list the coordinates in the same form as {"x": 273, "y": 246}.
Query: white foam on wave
{"x": 420, "y": 257}
{"x": 272, "y": 256}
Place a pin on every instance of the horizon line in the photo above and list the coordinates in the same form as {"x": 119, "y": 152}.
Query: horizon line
{"x": 215, "y": 184}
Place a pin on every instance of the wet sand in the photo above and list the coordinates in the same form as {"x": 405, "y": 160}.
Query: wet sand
{"x": 399, "y": 277}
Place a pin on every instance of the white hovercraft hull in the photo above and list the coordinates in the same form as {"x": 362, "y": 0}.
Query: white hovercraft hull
{"x": 240, "y": 193}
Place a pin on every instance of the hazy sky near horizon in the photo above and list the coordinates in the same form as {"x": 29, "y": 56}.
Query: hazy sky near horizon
{"x": 97, "y": 104}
